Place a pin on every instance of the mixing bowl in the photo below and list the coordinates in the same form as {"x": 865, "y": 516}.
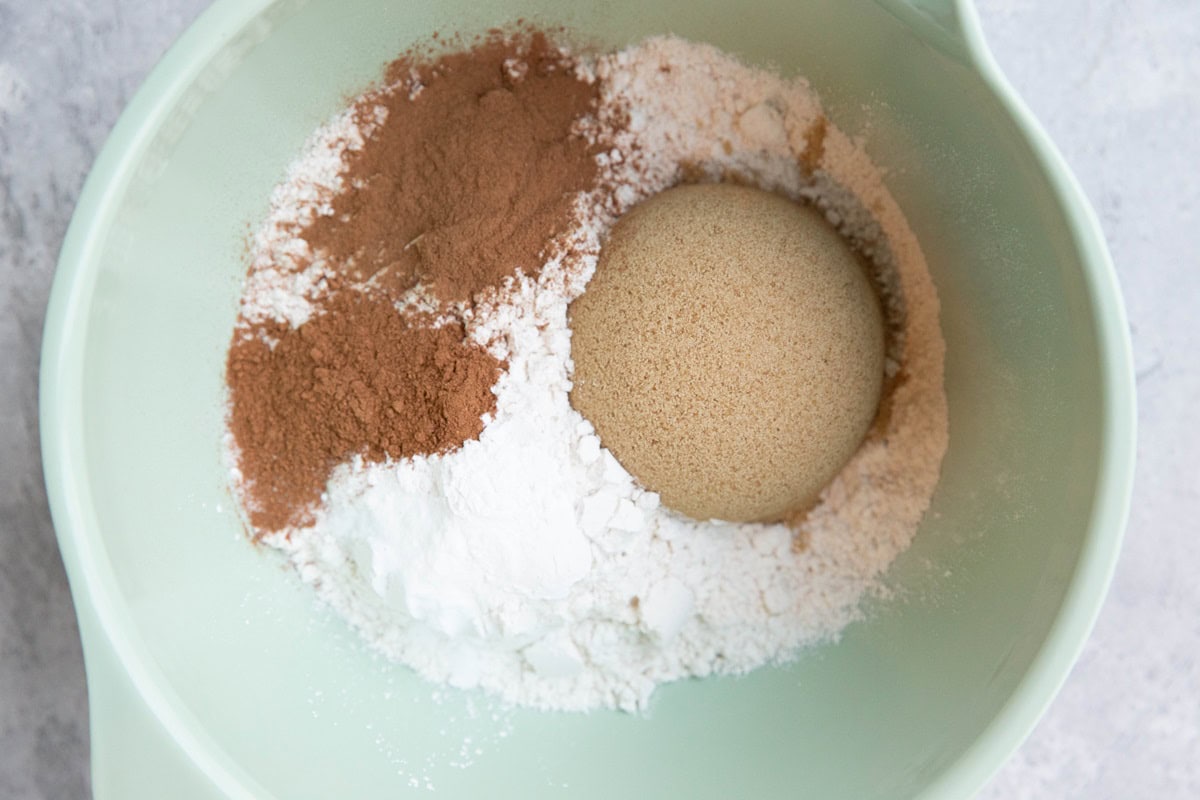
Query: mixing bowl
{"x": 213, "y": 672}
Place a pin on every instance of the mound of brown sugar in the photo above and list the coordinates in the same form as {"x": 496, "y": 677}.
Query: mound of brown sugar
{"x": 729, "y": 351}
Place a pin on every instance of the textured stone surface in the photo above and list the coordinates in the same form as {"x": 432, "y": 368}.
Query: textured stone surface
{"x": 1115, "y": 83}
{"x": 67, "y": 68}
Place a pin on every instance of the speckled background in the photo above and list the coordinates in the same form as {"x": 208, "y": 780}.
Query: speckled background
{"x": 1116, "y": 83}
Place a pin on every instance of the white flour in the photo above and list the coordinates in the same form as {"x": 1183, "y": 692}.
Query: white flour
{"x": 529, "y": 563}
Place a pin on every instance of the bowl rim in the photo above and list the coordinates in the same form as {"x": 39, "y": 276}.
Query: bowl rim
{"x": 92, "y": 579}
{"x": 1097, "y": 562}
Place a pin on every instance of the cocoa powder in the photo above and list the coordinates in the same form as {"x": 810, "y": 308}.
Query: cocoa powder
{"x": 471, "y": 177}
{"x": 358, "y": 379}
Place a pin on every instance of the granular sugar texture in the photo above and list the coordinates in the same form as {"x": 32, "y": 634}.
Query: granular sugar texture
{"x": 729, "y": 350}
{"x": 526, "y": 561}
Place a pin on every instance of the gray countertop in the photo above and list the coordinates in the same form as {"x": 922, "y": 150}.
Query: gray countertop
{"x": 1116, "y": 83}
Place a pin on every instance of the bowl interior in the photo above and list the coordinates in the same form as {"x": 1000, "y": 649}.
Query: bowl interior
{"x": 287, "y": 692}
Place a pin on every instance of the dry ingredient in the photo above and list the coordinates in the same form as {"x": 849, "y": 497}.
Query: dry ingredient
{"x": 359, "y": 379}
{"x": 729, "y": 351}
{"x": 528, "y": 562}
{"x": 442, "y": 199}
{"x": 471, "y": 177}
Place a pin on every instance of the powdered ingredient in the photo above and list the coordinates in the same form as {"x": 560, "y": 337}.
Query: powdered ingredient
{"x": 444, "y": 197}
{"x": 528, "y": 562}
{"x": 359, "y": 379}
{"x": 470, "y": 178}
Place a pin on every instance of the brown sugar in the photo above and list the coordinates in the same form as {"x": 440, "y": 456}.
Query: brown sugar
{"x": 729, "y": 351}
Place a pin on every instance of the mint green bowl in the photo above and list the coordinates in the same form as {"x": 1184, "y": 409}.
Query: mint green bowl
{"x": 213, "y": 672}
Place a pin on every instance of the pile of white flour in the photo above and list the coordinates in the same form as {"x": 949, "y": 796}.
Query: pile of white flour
{"x": 529, "y": 563}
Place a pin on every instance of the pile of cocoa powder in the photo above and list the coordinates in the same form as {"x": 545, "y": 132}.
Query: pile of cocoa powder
{"x": 471, "y": 178}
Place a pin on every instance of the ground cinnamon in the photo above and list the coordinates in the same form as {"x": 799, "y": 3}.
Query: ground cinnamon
{"x": 358, "y": 379}
{"x": 470, "y": 178}
{"x": 467, "y": 181}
